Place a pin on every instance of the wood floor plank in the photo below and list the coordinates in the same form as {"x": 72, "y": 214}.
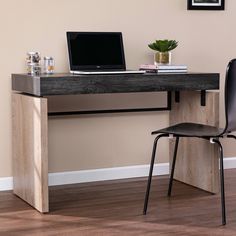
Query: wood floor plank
{"x": 115, "y": 208}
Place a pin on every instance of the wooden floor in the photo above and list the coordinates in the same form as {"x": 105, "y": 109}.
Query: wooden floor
{"x": 115, "y": 208}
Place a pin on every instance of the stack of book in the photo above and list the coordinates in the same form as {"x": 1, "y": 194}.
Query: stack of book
{"x": 164, "y": 68}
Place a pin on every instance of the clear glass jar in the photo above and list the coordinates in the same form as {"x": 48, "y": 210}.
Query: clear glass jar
{"x": 33, "y": 63}
{"x": 33, "y": 69}
{"x": 48, "y": 65}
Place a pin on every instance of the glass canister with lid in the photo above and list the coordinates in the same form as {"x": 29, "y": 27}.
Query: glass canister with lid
{"x": 48, "y": 65}
{"x": 33, "y": 63}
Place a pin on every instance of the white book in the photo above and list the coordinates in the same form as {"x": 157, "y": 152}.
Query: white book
{"x": 172, "y": 67}
{"x": 163, "y": 67}
{"x": 172, "y": 71}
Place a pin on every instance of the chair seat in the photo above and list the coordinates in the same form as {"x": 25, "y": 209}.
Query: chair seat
{"x": 191, "y": 130}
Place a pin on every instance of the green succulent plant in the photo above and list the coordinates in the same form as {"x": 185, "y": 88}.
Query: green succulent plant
{"x": 163, "y": 45}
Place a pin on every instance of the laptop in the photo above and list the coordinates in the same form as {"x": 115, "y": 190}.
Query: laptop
{"x": 97, "y": 53}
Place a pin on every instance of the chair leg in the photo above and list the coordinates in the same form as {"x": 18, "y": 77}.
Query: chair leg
{"x": 222, "y": 183}
{"x": 150, "y": 173}
{"x": 173, "y": 166}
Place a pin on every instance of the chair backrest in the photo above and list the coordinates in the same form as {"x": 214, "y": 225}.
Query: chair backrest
{"x": 230, "y": 97}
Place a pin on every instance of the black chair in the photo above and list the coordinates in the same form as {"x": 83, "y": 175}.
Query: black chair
{"x": 211, "y": 133}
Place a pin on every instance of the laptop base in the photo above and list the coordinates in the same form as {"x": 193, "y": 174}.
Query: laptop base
{"x": 108, "y": 72}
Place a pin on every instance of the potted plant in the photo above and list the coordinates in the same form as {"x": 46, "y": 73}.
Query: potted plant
{"x": 163, "y": 48}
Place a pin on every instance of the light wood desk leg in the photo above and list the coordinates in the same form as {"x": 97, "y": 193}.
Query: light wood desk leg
{"x": 197, "y": 160}
{"x": 30, "y": 150}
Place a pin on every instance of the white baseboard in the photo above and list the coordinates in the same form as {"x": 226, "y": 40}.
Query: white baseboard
{"x": 229, "y": 163}
{"x": 106, "y": 174}
{"x": 94, "y": 175}
{"x": 6, "y": 183}
{"x": 84, "y": 176}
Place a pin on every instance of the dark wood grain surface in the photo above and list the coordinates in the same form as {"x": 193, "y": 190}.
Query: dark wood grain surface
{"x": 65, "y": 84}
{"x": 115, "y": 208}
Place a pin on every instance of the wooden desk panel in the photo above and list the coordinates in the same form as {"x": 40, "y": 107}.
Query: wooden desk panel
{"x": 197, "y": 160}
{"x": 30, "y": 150}
{"x": 68, "y": 84}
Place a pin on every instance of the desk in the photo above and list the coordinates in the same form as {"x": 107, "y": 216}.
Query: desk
{"x": 30, "y": 123}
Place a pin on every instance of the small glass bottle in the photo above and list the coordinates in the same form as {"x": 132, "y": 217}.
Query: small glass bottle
{"x": 48, "y": 65}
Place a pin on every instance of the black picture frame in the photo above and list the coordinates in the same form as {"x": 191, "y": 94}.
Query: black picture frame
{"x": 206, "y": 5}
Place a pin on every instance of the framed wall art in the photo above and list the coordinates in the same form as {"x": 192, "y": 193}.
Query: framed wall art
{"x": 206, "y": 4}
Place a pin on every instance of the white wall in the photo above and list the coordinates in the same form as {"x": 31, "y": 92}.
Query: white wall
{"x": 206, "y": 43}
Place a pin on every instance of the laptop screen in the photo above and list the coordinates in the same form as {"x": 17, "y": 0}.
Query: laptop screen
{"x": 95, "y": 50}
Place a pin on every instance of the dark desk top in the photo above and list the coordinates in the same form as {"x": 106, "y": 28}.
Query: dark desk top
{"x": 69, "y": 84}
